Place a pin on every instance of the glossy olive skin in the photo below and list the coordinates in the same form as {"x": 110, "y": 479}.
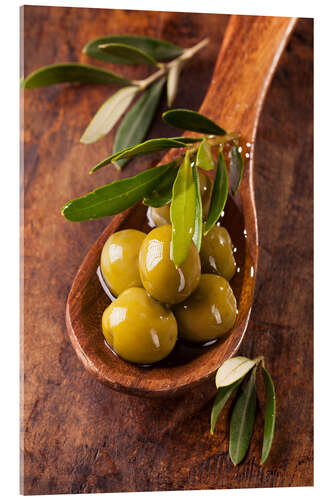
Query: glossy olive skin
{"x": 161, "y": 215}
{"x": 209, "y": 312}
{"x": 138, "y": 328}
{"x": 206, "y": 188}
{"x": 159, "y": 275}
{"x": 216, "y": 253}
{"x": 119, "y": 260}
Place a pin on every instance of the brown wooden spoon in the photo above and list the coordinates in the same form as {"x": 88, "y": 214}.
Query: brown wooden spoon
{"x": 248, "y": 56}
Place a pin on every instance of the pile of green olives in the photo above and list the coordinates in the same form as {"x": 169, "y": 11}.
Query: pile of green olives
{"x": 156, "y": 302}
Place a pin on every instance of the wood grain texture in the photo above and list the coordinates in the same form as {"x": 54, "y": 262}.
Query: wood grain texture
{"x": 80, "y": 436}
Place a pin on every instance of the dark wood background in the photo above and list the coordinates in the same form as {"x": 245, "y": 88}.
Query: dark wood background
{"x": 79, "y": 436}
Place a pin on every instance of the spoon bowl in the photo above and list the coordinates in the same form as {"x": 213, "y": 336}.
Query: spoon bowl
{"x": 248, "y": 57}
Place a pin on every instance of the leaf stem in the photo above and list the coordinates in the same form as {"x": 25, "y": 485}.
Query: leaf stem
{"x": 213, "y": 141}
{"x": 217, "y": 140}
{"x": 258, "y": 360}
{"x": 165, "y": 68}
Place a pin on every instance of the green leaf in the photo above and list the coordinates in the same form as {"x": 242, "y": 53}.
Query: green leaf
{"x": 197, "y": 237}
{"x": 232, "y": 370}
{"x": 242, "y": 421}
{"x": 72, "y": 72}
{"x": 115, "y": 197}
{"x": 182, "y": 211}
{"x": 187, "y": 119}
{"x": 135, "y": 124}
{"x": 128, "y": 53}
{"x": 108, "y": 114}
{"x": 172, "y": 83}
{"x": 150, "y": 146}
{"x": 205, "y": 158}
{"x": 222, "y": 396}
{"x": 186, "y": 140}
{"x": 236, "y": 169}
{"x": 269, "y": 416}
{"x": 219, "y": 194}
{"x": 162, "y": 194}
{"x": 158, "y": 49}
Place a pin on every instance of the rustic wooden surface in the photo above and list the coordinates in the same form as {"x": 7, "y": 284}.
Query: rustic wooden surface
{"x": 79, "y": 436}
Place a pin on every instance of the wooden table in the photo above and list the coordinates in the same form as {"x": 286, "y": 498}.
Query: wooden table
{"x": 79, "y": 436}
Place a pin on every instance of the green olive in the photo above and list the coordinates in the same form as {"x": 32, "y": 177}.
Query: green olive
{"x": 119, "y": 260}
{"x": 216, "y": 253}
{"x": 138, "y": 328}
{"x": 161, "y": 215}
{"x": 209, "y": 312}
{"x": 159, "y": 275}
{"x": 206, "y": 188}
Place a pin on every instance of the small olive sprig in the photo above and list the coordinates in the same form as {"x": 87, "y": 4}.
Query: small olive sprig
{"x": 176, "y": 182}
{"x": 166, "y": 57}
{"x": 229, "y": 378}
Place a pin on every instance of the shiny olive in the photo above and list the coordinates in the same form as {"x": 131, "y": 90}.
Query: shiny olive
{"x": 138, "y": 328}
{"x": 119, "y": 260}
{"x": 206, "y": 188}
{"x": 159, "y": 275}
{"x": 209, "y": 312}
{"x": 216, "y": 253}
{"x": 161, "y": 215}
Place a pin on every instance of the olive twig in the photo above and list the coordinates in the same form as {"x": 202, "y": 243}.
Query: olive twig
{"x": 216, "y": 140}
{"x": 229, "y": 376}
{"x": 166, "y": 67}
{"x": 136, "y": 114}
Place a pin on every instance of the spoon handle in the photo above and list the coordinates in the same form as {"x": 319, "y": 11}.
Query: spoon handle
{"x": 248, "y": 57}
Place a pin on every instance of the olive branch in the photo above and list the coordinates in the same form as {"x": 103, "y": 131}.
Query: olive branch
{"x": 167, "y": 58}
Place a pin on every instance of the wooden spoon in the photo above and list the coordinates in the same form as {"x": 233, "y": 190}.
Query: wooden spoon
{"x": 248, "y": 56}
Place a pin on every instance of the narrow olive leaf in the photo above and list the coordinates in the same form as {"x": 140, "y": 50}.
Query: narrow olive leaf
{"x": 182, "y": 211}
{"x": 187, "y": 119}
{"x": 242, "y": 421}
{"x": 157, "y": 49}
{"x": 187, "y": 140}
{"x": 197, "y": 236}
{"x": 71, "y": 72}
{"x": 222, "y": 396}
{"x": 205, "y": 158}
{"x": 269, "y": 416}
{"x": 232, "y": 370}
{"x": 134, "y": 126}
{"x": 150, "y": 146}
{"x": 115, "y": 197}
{"x": 219, "y": 194}
{"x": 172, "y": 83}
{"x": 162, "y": 194}
{"x": 108, "y": 114}
{"x": 128, "y": 53}
{"x": 236, "y": 169}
